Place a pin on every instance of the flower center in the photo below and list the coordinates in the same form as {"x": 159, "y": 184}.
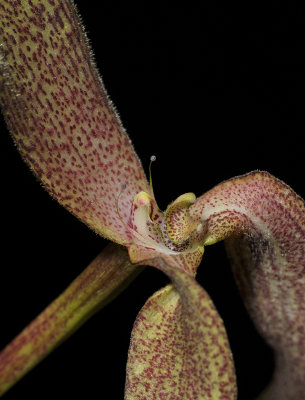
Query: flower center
{"x": 169, "y": 232}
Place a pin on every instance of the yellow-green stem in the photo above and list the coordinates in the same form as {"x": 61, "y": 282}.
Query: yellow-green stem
{"x": 107, "y": 275}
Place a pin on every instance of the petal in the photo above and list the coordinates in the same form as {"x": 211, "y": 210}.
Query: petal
{"x": 264, "y": 221}
{"x": 179, "y": 348}
{"x": 60, "y": 116}
{"x": 108, "y": 274}
{"x": 187, "y": 262}
{"x": 146, "y": 221}
{"x": 179, "y": 224}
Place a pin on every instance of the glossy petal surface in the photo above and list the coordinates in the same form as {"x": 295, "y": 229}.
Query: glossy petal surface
{"x": 264, "y": 223}
{"x": 60, "y": 116}
{"x": 179, "y": 348}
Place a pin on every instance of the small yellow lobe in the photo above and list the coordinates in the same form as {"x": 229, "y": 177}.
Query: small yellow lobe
{"x": 142, "y": 199}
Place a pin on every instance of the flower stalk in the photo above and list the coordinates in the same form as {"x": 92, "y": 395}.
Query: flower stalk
{"x": 105, "y": 277}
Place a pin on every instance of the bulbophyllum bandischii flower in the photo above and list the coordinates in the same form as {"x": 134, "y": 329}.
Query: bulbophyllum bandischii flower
{"x": 67, "y": 131}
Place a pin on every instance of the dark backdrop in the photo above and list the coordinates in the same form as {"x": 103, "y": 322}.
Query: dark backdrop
{"x": 212, "y": 91}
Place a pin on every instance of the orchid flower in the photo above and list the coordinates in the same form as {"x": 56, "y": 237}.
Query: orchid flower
{"x": 69, "y": 133}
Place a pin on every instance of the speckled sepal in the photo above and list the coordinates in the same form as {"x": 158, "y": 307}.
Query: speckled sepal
{"x": 179, "y": 349}
{"x": 263, "y": 220}
{"x": 60, "y": 117}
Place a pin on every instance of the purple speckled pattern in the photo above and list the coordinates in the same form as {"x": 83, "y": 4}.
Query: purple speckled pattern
{"x": 60, "y": 117}
{"x": 68, "y": 132}
{"x": 263, "y": 220}
{"x": 179, "y": 348}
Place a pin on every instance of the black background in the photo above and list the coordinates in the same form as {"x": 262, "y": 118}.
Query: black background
{"x": 214, "y": 91}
